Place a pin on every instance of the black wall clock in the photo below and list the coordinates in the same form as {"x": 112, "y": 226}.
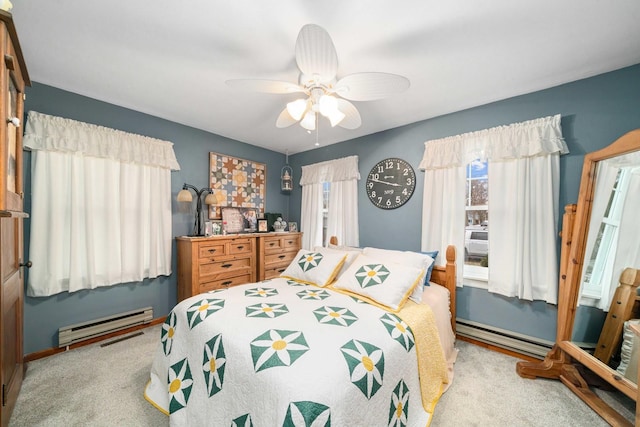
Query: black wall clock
{"x": 390, "y": 183}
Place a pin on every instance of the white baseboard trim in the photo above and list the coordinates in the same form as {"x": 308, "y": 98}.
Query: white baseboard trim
{"x": 514, "y": 341}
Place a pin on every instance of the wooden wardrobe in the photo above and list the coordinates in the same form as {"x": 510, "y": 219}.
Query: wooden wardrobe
{"x": 13, "y": 79}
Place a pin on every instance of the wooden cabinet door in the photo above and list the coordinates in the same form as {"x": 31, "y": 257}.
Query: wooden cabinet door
{"x": 13, "y": 77}
{"x": 11, "y": 299}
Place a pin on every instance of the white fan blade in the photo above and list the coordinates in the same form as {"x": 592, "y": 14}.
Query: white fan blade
{"x": 370, "y": 86}
{"x": 315, "y": 53}
{"x": 352, "y": 118}
{"x": 265, "y": 86}
{"x": 285, "y": 120}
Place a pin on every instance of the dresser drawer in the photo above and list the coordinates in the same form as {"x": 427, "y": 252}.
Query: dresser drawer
{"x": 224, "y": 283}
{"x": 281, "y": 258}
{"x": 273, "y": 244}
{"x": 291, "y": 243}
{"x": 211, "y": 249}
{"x": 240, "y": 246}
{"x": 279, "y": 244}
{"x": 271, "y": 273}
{"x": 223, "y": 267}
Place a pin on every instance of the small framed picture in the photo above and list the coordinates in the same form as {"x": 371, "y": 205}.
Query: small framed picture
{"x": 293, "y": 227}
{"x": 208, "y": 228}
{"x": 262, "y": 226}
{"x": 239, "y": 220}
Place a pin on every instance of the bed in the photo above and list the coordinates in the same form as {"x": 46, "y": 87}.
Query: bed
{"x": 321, "y": 345}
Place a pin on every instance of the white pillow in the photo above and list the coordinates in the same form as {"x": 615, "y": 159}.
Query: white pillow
{"x": 314, "y": 268}
{"x": 379, "y": 281}
{"x": 350, "y": 256}
{"x": 408, "y": 258}
{"x": 628, "y": 352}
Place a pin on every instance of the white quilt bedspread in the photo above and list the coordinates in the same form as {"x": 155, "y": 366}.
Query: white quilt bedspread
{"x": 279, "y": 353}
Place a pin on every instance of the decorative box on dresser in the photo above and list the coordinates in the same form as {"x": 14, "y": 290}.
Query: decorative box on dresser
{"x": 13, "y": 79}
{"x": 218, "y": 262}
{"x": 275, "y": 253}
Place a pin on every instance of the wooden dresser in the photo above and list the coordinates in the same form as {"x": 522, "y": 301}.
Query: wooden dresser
{"x": 275, "y": 253}
{"x": 218, "y": 262}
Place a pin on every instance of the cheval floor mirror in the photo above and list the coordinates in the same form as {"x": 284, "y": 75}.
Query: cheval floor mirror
{"x": 610, "y": 178}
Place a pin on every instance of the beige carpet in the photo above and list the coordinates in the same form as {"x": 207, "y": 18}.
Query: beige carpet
{"x": 103, "y": 386}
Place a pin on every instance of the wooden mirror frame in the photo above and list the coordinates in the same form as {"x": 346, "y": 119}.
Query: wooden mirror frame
{"x": 560, "y": 361}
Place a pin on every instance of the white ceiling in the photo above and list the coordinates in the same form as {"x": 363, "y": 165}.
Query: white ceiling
{"x": 171, "y": 58}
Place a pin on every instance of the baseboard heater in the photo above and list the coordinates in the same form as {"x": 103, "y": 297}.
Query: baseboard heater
{"x": 81, "y": 331}
{"x": 520, "y": 343}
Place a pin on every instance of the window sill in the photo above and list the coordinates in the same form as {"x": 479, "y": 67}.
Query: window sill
{"x": 476, "y": 277}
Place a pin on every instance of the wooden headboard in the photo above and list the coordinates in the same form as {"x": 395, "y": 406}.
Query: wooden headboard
{"x": 443, "y": 275}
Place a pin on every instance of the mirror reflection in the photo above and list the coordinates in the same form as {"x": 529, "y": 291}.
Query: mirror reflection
{"x": 612, "y": 245}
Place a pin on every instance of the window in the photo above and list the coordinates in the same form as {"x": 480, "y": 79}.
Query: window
{"x": 602, "y": 256}
{"x": 476, "y": 236}
{"x": 326, "y": 190}
{"x": 86, "y": 232}
{"x": 525, "y": 167}
{"x": 330, "y": 202}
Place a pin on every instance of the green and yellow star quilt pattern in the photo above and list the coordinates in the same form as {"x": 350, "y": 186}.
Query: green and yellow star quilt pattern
{"x": 284, "y": 353}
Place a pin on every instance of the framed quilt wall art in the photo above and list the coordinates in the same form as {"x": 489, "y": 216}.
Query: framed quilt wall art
{"x": 236, "y": 183}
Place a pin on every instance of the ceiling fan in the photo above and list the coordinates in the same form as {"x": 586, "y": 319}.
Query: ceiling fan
{"x": 324, "y": 95}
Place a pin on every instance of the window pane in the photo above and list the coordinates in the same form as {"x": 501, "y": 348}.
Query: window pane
{"x": 479, "y": 192}
{"x": 476, "y": 238}
{"x": 478, "y": 169}
{"x": 326, "y": 188}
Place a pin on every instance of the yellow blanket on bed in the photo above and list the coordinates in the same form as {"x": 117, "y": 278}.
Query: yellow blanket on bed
{"x": 431, "y": 362}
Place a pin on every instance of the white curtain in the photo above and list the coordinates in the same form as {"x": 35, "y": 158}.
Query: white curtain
{"x": 523, "y": 201}
{"x": 311, "y": 215}
{"x": 101, "y": 205}
{"x": 343, "y": 209}
{"x": 342, "y": 218}
{"x": 627, "y": 253}
{"x": 443, "y": 214}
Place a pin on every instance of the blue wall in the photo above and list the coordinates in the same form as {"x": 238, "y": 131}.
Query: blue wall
{"x": 595, "y": 112}
{"x": 43, "y": 316}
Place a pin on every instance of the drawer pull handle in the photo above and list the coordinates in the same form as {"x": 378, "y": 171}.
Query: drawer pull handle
{"x": 240, "y": 247}
{"x": 212, "y": 250}
{"x": 282, "y": 256}
{"x": 289, "y": 241}
{"x": 281, "y": 270}
{"x": 227, "y": 283}
{"x": 272, "y": 243}
{"x": 226, "y": 265}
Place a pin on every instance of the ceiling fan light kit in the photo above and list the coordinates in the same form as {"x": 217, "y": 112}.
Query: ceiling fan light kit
{"x": 309, "y": 121}
{"x": 317, "y": 60}
{"x": 297, "y": 108}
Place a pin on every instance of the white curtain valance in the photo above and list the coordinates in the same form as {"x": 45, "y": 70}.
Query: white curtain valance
{"x": 343, "y": 169}
{"x": 519, "y": 140}
{"x": 52, "y": 133}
